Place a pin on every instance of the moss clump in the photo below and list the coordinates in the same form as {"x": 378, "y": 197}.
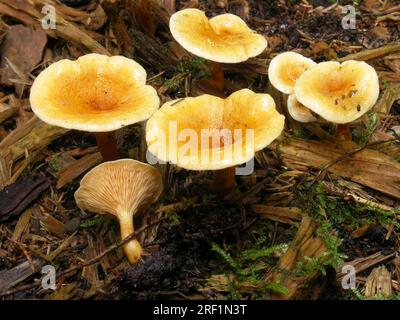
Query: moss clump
{"x": 248, "y": 267}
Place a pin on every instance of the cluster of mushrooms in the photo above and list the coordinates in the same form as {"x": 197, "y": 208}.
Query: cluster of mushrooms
{"x": 325, "y": 92}
{"x": 101, "y": 94}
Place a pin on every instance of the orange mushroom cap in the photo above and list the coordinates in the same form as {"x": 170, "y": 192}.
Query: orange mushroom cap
{"x": 225, "y": 38}
{"x": 210, "y": 133}
{"x": 286, "y": 68}
{"x": 339, "y": 93}
{"x": 95, "y": 93}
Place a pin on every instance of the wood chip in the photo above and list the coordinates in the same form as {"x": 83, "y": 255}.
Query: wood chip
{"x": 368, "y": 167}
{"x": 10, "y": 278}
{"x": 305, "y": 244}
{"x": 280, "y": 214}
{"x": 379, "y": 282}
{"x": 77, "y": 168}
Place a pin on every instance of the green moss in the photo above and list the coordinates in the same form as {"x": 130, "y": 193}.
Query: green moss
{"x": 196, "y": 67}
{"x": 250, "y": 265}
{"x": 97, "y": 221}
{"x": 330, "y": 212}
{"x": 174, "y": 217}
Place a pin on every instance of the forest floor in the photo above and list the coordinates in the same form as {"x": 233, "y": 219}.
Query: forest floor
{"x": 311, "y": 209}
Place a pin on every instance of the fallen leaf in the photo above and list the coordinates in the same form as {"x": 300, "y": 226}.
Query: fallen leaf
{"x": 381, "y": 33}
{"x": 22, "y": 49}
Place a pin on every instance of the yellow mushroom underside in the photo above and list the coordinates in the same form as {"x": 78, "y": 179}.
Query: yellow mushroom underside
{"x": 120, "y": 188}
{"x": 210, "y": 133}
{"x": 94, "y": 93}
{"x": 339, "y": 93}
{"x": 299, "y": 112}
{"x": 225, "y": 38}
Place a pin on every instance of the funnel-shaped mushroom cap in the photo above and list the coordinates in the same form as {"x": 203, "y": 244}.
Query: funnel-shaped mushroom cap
{"x": 225, "y": 38}
{"x": 339, "y": 93}
{"x": 94, "y": 93}
{"x": 120, "y": 188}
{"x": 299, "y": 112}
{"x": 210, "y": 133}
{"x": 286, "y": 68}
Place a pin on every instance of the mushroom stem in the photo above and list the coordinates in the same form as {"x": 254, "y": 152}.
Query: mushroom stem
{"x": 132, "y": 249}
{"x": 217, "y": 76}
{"x": 107, "y": 144}
{"x": 343, "y": 132}
{"x": 224, "y": 181}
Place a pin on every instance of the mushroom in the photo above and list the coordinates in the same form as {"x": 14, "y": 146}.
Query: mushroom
{"x": 121, "y": 188}
{"x": 95, "y": 93}
{"x": 223, "y": 39}
{"x": 339, "y": 93}
{"x": 286, "y": 68}
{"x": 299, "y": 112}
{"x": 211, "y": 133}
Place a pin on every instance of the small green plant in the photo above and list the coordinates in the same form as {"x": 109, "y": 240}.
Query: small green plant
{"x": 196, "y": 67}
{"x": 174, "y": 217}
{"x": 248, "y": 267}
{"x": 97, "y": 221}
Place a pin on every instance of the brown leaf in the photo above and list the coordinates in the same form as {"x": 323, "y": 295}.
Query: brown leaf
{"x": 381, "y": 33}
{"x": 371, "y": 5}
{"x": 275, "y": 41}
{"x": 23, "y": 47}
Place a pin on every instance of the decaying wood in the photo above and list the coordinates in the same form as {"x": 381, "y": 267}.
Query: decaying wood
{"x": 119, "y": 28}
{"x": 364, "y": 263}
{"x": 305, "y": 244}
{"x": 10, "y": 278}
{"x": 280, "y": 214}
{"x": 78, "y": 167}
{"x": 160, "y": 15}
{"x": 370, "y": 54}
{"x": 389, "y": 96}
{"x": 6, "y": 112}
{"x": 221, "y": 283}
{"x": 150, "y": 52}
{"x": 379, "y": 282}
{"x": 24, "y": 143}
{"x": 15, "y": 198}
{"x": 368, "y": 167}
{"x": 27, "y": 13}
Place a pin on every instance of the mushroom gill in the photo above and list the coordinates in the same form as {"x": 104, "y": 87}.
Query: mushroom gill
{"x": 120, "y": 188}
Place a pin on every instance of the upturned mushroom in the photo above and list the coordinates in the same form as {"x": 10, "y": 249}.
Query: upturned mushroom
{"x": 121, "y": 188}
{"x": 299, "y": 112}
{"x": 339, "y": 92}
{"x": 95, "y": 93}
{"x": 222, "y": 39}
{"x": 211, "y": 133}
